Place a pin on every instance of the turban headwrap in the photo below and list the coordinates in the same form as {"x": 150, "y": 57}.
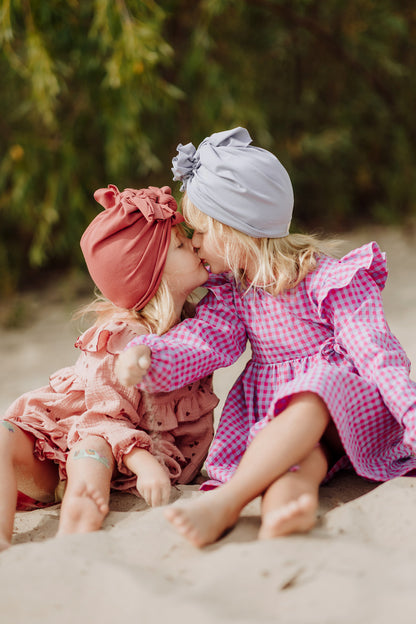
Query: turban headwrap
{"x": 236, "y": 183}
{"x": 126, "y": 245}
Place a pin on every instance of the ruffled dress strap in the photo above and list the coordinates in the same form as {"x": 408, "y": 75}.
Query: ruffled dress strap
{"x": 335, "y": 275}
{"x": 112, "y": 337}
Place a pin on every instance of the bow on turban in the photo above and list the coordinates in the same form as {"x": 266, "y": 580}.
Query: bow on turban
{"x": 236, "y": 183}
{"x": 126, "y": 245}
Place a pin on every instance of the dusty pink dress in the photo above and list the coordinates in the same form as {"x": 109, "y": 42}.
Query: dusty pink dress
{"x": 87, "y": 399}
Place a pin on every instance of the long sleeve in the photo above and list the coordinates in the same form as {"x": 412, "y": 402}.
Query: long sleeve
{"x": 110, "y": 411}
{"x": 214, "y": 338}
{"x": 105, "y": 407}
{"x": 364, "y": 337}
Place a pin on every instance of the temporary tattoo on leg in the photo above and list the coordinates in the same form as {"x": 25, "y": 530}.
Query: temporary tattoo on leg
{"x": 8, "y": 425}
{"x": 92, "y": 454}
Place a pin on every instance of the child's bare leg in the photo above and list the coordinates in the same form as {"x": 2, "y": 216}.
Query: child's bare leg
{"x": 290, "y": 503}
{"x": 20, "y": 469}
{"x": 85, "y": 504}
{"x": 285, "y": 441}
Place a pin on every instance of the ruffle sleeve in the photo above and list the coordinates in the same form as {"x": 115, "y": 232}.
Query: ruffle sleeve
{"x": 112, "y": 337}
{"x": 334, "y": 275}
{"x": 348, "y": 295}
{"x": 97, "y": 341}
{"x": 110, "y": 409}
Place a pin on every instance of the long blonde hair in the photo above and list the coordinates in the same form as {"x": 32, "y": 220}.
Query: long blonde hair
{"x": 158, "y": 315}
{"x": 281, "y": 263}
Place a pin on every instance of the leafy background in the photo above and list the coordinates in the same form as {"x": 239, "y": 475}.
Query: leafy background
{"x": 99, "y": 92}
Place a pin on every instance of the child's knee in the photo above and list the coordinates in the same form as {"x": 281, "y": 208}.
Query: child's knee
{"x": 6, "y": 426}
{"x": 312, "y": 399}
{"x": 97, "y": 443}
{"x": 93, "y": 447}
{"x": 12, "y": 438}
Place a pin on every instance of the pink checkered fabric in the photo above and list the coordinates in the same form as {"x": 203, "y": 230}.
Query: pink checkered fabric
{"x": 329, "y": 336}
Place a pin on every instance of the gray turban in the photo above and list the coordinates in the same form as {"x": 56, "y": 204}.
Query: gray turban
{"x": 236, "y": 183}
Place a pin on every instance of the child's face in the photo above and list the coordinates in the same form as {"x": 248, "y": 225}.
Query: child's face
{"x": 183, "y": 271}
{"x": 210, "y": 252}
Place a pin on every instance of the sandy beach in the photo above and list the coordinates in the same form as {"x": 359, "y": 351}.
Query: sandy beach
{"x": 358, "y": 566}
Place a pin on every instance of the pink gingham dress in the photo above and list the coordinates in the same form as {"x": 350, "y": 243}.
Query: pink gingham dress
{"x": 87, "y": 399}
{"x": 329, "y": 336}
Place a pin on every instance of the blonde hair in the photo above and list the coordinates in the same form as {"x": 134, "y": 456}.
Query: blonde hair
{"x": 157, "y": 316}
{"x": 281, "y": 263}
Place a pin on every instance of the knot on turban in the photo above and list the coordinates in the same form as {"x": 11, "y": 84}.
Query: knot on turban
{"x": 188, "y": 160}
{"x": 236, "y": 183}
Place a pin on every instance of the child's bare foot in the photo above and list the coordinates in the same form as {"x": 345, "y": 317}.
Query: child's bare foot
{"x": 298, "y": 516}
{"x": 204, "y": 520}
{"x": 83, "y": 511}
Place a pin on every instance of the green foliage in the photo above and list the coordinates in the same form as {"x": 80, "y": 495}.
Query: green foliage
{"x": 99, "y": 92}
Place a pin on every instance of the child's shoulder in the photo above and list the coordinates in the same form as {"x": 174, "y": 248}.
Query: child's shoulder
{"x": 111, "y": 336}
{"x": 332, "y": 273}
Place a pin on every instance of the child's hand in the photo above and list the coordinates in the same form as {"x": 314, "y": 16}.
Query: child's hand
{"x": 133, "y": 364}
{"x": 154, "y": 485}
{"x": 153, "y": 481}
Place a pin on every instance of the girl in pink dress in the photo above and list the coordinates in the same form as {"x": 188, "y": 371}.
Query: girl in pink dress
{"x": 85, "y": 428}
{"x": 324, "y": 362}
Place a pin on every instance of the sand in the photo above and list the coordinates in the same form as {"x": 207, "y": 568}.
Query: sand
{"x": 357, "y": 566}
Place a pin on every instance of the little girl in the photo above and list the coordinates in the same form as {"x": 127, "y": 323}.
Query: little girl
{"x": 324, "y": 360}
{"x": 96, "y": 430}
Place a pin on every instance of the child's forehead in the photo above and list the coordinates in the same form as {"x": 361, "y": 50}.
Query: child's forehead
{"x": 197, "y": 219}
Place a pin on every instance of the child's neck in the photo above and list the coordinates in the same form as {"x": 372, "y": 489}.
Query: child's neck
{"x": 178, "y": 303}
{"x": 250, "y": 271}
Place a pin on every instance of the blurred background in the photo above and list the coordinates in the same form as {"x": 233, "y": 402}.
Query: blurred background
{"x": 99, "y": 92}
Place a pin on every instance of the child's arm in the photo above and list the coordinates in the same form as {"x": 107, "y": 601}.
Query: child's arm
{"x": 362, "y": 331}
{"x": 153, "y": 482}
{"x": 193, "y": 349}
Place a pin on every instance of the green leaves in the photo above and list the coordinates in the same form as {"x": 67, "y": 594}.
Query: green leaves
{"x": 101, "y": 91}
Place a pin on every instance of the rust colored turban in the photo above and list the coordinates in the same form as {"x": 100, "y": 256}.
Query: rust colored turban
{"x": 126, "y": 245}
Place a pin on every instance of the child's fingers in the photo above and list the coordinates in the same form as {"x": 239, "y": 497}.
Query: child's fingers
{"x": 165, "y": 494}
{"x": 158, "y": 494}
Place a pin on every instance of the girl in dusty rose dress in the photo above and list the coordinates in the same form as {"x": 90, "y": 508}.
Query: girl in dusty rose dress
{"x": 325, "y": 366}
{"x": 99, "y": 433}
